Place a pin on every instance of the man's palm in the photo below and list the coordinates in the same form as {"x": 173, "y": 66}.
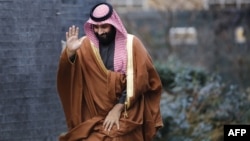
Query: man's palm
{"x": 72, "y": 41}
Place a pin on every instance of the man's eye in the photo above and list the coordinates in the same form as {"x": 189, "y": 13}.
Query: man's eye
{"x": 104, "y": 26}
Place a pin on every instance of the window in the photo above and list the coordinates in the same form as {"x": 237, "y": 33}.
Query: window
{"x": 183, "y": 35}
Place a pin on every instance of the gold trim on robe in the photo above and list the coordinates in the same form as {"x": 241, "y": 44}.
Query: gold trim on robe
{"x": 130, "y": 72}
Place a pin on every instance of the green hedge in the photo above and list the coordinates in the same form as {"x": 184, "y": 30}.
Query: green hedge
{"x": 196, "y": 104}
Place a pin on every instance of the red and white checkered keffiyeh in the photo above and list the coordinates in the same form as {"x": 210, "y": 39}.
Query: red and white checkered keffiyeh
{"x": 120, "y": 56}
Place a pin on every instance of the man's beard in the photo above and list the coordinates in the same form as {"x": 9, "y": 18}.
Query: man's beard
{"x": 106, "y": 38}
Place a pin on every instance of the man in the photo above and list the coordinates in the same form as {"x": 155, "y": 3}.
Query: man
{"x": 108, "y": 86}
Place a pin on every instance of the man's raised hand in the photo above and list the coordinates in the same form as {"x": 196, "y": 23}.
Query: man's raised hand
{"x": 72, "y": 40}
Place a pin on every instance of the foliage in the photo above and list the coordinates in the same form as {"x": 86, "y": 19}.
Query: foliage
{"x": 196, "y": 104}
{"x": 175, "y": 75}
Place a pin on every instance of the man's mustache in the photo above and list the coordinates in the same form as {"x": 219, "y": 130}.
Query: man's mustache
{"x": 103, "y": 35}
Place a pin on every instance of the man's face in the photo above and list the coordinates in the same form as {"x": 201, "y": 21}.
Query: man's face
{"x": 104, "y": 32}
{"x": 102, "y": 29}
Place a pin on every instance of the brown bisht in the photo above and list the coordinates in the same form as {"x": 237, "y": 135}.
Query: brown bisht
{"x": 88, "y": 91}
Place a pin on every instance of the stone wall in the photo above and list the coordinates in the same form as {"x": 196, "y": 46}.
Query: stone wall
{"x": 31, "y": 32}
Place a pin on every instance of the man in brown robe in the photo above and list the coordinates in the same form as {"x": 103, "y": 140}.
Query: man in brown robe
{"x": 108, "y": 86}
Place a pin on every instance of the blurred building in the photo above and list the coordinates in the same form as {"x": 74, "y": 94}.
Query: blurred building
{"x": 221, "y": 4}
{"x": 180, "y": 5}
{"x": 212, "y": 34}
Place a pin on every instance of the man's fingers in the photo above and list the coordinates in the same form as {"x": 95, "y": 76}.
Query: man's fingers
{"x": 106, "y": 124}
{"x": 70, "y": 31}
{"x": 105, "y": 127}
{"x": 110, "y": 126}
{"x": 117, "y": 124}
{"x": 77, "y": 31}
{"x": 73, "y": 30}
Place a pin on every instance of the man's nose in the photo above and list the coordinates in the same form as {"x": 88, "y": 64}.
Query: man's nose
{"x": 99, "y": 31}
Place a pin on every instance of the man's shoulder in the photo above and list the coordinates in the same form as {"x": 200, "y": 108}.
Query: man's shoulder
{"x": 129, "y": 34}
{"x": 138, "y": 46}
{"x": 85, "y": 39}
{"x": 133, "y": 37}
